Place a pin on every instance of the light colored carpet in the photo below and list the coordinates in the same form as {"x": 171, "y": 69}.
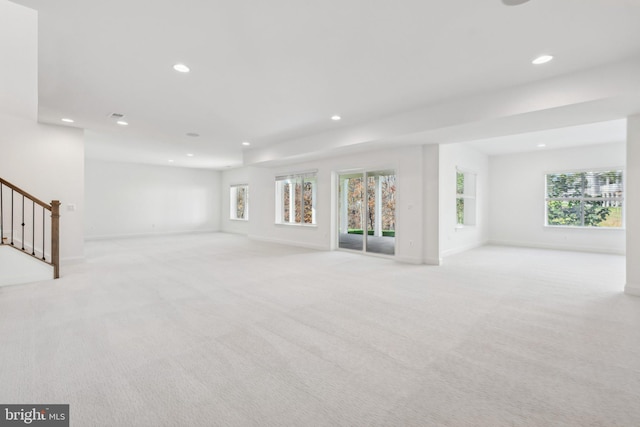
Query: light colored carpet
{"x": 218, "y": 330}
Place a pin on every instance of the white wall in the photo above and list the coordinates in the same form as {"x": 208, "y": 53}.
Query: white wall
{"x": 632, "y": 201}
{"x": 431, "y": 204}
{"x": 454, "y": 239}
{"x": 48, "y": 162}
{"x": 126, "y": 199}
{"x": 234, "y": 177}
{"x": 518, "y": 206}
{"x": 16, "y": 268}
{"x": 407, "y": 161}
{"x": 44, "y": 160}
{"x": 18, "y": 61}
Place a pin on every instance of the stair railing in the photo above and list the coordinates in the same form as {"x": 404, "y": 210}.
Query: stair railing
{"x": 23, "y": 226}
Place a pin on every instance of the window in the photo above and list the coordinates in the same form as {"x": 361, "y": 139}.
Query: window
{"x": 239, "y": 202}
{"x": 296, "y": 199}
{"x": 585, "y": 199}
{"x": 465, "y": 198}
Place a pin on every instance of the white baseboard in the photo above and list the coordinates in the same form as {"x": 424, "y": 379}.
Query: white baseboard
{"x": 461, "y": 249}
{"x": 72, "y": 260}
{"x": 151, "y": 234}
{"x": 632, "y": 289}
{"x": 572, "y": 248}
{"x": 408, "y": 259}
{"x": 237, "y": 233}
{"x": 290, "y": 243}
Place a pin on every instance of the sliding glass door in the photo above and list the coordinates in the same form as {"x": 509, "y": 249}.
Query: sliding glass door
{"x": 352, "y": 213}
{"x": 366, "y": 218}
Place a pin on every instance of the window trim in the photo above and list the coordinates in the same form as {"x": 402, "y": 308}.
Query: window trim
{"x": 466, "y": 196}
{"x": 585, "y": 170}
{"x": 279, "y": 198}
{"x": 233, "y": 207}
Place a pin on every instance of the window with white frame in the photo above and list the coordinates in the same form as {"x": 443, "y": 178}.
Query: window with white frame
{"x": 239, "y": 202}
{"x": 296, "y": 199}
{"x": 585, "y": 199}
{"x": 465, "y": 198}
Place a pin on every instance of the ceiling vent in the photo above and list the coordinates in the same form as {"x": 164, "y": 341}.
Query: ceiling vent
{"x": 116, "y": 116}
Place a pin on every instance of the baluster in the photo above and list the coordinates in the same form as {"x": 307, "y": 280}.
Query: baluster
{"x": 33, "y": 228}
{"x": 12, "y": 217}
{"x": 23, "y": 222}
{"x": 21, "y": 218}
{"x": 43, "y": 257}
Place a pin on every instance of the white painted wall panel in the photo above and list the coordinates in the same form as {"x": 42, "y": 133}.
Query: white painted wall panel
{"x": 455, "y": 239}
{"x": 407, "y": 161}
{"x": 517, "y": 213}
{"x": 126, "y": 199}
{"x": 48, "y": 162}
{"x": 633, "y": 205}
{"x": 18, "y": 60}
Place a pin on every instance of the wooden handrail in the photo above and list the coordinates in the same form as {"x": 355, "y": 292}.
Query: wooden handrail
{"x": 54, "y": 208}
{"x": 25, "y": 194}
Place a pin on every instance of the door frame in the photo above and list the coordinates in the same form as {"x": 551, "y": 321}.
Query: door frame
{"x": 364, "y": 219}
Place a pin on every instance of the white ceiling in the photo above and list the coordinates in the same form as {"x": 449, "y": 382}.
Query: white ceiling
{"x": 553, "y": 139}
{"x": 273, "y": 71}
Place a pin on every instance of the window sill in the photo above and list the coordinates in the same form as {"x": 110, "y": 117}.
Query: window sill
{"x": 239, "y": 219}
{"x": 294, "y": 224}
{"x": 576, "y": 227}
{"x": 462, "y": 226}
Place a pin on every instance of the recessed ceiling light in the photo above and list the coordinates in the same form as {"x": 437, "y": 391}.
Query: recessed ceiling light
{"x": 246, "y": 143}
{"x": 170, "y": 160}
{"x": 542, "y": 145}
{"x": 189, "y": 154}
{"x": 67, "y": 120}
{"x": 122, "y": 123}
{"x": 335, "y": 118}
{"x": 543, "y": 59}
{"x": 181, "y": 68}
{"x": 193, "y": 134}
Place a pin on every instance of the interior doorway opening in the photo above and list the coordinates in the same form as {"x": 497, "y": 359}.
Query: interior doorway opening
{"x": 367, "y": 211}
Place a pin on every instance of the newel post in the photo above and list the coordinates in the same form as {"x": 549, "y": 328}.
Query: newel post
{"x": 55, "y": 238}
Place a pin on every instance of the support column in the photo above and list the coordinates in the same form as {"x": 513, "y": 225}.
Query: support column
{"x": 431, "y": 207}
{"x": 632, "y": 201}
{"x": 344, "y": 207}
{"x": 377, "y": 227}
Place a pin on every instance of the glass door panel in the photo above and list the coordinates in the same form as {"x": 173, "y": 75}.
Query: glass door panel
{"x": 381, "y": 212}
{"x": 351, "y": 211}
